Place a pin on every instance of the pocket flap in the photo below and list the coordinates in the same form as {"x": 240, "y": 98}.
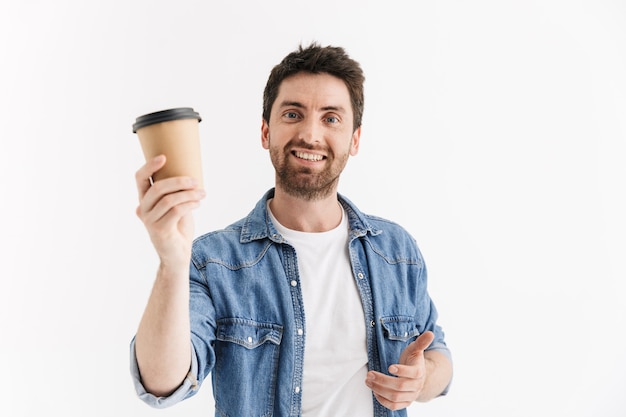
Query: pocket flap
{"x": 400, "y": 328}
{"x": 248, "y": 333}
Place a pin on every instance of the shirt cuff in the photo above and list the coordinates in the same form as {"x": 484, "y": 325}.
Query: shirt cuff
{"x": 188, "y": 387}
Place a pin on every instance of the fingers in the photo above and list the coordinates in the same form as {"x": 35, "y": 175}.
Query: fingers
{"x": 164, "y": 203}
{"x": 393, "y": 393}
{"x": 155, "y": 200}
{"x": 166, "y": 206}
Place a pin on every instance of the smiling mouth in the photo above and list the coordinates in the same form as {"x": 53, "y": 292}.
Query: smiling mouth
{"x": 308, "y": 156}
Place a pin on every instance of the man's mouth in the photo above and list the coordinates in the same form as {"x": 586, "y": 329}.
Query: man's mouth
{"x": 308, "y": 156}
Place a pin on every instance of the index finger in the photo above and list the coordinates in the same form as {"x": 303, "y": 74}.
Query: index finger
{"x": 144, "y": 174}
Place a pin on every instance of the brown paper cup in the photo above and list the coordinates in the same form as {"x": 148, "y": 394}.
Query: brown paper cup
{"x": 175, "y": 134}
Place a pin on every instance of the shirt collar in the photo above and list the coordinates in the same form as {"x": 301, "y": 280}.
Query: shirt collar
{"x": 258, "y": 224}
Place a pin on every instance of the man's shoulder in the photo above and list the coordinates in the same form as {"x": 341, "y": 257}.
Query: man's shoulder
{"x": 253, "y": 223}
{"x": 375, "y": 222}
{"x": 230, "y": 232}
{"x": 382, "y": 222}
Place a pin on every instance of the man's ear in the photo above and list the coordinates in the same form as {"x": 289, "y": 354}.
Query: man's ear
{"x": 265, "y": 135}
{"x": 356, "y": 140}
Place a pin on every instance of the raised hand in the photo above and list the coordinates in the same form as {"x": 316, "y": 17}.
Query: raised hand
{"x": 165, "y": 209}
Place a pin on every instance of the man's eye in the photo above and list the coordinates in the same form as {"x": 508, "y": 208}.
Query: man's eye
{"x": 332, "y": 119}
{"x": 291, "y": 115}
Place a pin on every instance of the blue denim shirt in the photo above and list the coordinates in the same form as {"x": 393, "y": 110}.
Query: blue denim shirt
{"x": 247, "y": 315}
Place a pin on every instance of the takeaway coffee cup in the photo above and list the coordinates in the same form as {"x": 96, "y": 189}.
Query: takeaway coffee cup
{"x": 175, "y": 134}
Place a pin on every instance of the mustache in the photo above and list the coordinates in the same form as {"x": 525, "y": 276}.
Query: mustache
{"x": 300, "y": 143}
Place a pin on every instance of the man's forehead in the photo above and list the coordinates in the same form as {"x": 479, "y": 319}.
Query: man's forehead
{"x": 325, "y": 90}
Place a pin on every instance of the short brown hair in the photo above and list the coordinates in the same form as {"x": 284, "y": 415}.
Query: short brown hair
{"x": 316, "y": 59}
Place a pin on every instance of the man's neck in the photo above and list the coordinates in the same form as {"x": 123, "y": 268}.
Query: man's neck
{"x": 304, "y": 215}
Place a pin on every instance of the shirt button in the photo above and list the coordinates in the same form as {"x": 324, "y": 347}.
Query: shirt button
{"x": 249, "y": 339}
{"x": 300, "y": 332}
{"x": 294, "y": 283}
{"x": 372, "y": 323}
{"x": 297, "y": 390}
{"x": 360, "y": 275}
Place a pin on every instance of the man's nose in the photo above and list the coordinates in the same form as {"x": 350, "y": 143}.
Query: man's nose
{"x": 310, "y": 131}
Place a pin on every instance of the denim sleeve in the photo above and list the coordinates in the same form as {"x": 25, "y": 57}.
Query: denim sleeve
{"x": 188, "y": 387}
{"x": 431, "y": 318}
{"x": 438, "y": 344}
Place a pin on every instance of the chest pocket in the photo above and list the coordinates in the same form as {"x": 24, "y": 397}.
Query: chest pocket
{"x": 246, "y": 366}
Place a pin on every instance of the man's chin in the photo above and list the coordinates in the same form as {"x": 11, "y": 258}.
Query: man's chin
{"x": 308, "y": 192}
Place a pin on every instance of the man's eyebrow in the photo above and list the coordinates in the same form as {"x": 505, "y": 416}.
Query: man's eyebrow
{"x": 299, "y": 105}
{"x": 337, "y": 109}
{"x": 287, "y": 103}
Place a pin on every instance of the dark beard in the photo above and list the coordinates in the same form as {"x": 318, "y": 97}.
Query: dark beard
{"x": 302, "y": 182}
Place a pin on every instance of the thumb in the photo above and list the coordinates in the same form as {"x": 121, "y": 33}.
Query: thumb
{"x": 145, "y": 173}
{"x": 412, "y": 352}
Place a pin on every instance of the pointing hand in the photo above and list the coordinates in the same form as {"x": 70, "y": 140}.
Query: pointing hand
{"x": 408, "y": 375}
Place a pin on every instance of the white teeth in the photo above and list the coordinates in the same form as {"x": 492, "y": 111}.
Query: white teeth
{"x": 309, "y": 156}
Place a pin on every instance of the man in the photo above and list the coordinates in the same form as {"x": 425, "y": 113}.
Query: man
{"x": 306, "y": 307}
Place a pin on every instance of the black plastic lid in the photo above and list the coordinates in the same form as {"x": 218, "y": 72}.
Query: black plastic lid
{"x": 165, "y": 116}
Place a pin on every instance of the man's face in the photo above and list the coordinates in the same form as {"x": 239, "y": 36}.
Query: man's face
{"x": 310, "y": 134}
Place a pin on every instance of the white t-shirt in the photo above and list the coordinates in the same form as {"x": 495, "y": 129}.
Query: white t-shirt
{"x": 335, "y": 353}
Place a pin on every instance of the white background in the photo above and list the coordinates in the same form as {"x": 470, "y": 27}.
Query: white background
{"x": 494, "y": 131}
